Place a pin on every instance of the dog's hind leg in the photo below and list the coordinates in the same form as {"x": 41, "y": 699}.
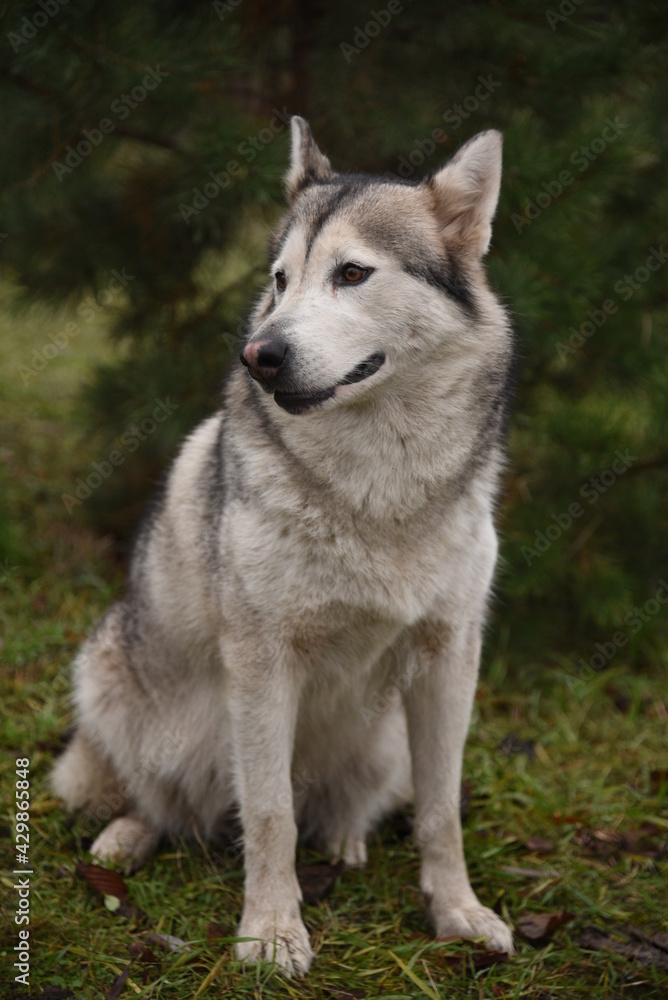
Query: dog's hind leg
{"x": 84, "y": 779}
{"x": 371, "y": 779}
{"x": 98, "y": 774}
{"x": 86, "y": 783}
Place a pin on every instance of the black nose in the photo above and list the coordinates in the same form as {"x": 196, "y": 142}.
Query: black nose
{"x": 264, "y": 357}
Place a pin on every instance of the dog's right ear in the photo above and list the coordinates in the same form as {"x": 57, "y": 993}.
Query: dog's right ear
{"x": 466, "y": 191}
{"x": 307, "y": 164}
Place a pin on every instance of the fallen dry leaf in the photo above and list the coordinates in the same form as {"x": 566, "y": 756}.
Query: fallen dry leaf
{"x": 105, "y": 882}
{"x": 475, "y": 958}
{"x": 529, "y": 872}
{"x": 168, "y": 941}
{"x": 538, "y": 928}
{"x": 316, "y": 880}
{"x": 139, "y": 956}
{"x": 537, "y": 844}
{"x": 116, "y": 987}
{"x": 644, "y": 953}
{"x": 658, "y": 779}
{"x": 141, "y": 953}
{"x": 110, "y": 885}
{"x": 659, "y": 940}
{"x": 604, "y": 843}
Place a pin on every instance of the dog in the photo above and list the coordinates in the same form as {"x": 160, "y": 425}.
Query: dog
{"x": 299, "y": 643}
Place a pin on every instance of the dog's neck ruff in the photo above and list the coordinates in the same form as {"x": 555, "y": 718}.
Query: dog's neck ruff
{"x": 393, "y": 451}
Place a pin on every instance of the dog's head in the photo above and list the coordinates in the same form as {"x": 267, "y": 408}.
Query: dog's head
{"x": 367, "y": 272}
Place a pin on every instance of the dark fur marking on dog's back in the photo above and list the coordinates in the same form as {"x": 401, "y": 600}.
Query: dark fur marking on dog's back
{"x": 123, "y": 621}
{"x": 214, "y": 488}
{"x": 495, "y": 390}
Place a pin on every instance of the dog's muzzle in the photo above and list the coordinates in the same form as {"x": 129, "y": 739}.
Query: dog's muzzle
{"x": 265, "y": 361}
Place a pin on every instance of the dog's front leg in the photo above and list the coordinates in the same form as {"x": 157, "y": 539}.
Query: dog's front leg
{"x": 263, "y": 699}
{"x": 438, "y": 707}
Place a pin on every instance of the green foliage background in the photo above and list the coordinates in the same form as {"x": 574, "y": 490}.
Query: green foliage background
{"x": 557, "y": 75}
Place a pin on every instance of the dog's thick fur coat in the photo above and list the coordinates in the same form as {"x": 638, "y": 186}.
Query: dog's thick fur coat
{"x": 300, "y": 639}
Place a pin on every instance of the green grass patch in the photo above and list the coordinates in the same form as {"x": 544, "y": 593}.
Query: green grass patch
{"x": 579, "y": 766}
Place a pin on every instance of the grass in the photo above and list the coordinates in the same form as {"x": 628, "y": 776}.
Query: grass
{"x": 583, "y": 759}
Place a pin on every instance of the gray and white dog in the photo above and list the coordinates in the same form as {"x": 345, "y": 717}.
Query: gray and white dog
{"x": 325, "y": 546}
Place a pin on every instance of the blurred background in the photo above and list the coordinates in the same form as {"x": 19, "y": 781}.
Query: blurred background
{"x": 143, "y": 151}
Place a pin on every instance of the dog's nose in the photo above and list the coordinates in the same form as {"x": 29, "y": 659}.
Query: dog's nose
{"x": 264, "y": 358}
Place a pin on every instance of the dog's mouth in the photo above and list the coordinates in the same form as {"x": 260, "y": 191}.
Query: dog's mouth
{"x": 300, "y": 402}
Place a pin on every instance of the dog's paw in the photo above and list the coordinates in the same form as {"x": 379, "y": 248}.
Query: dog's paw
{"x": 473, "y": 920}
{"x": 283, "y": 942}
{"x": 351, "y": 850}
{"x": 354, "y": 853}
{"x": 127, "y": 841}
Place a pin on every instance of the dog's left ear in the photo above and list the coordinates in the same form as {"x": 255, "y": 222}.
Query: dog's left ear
{"x": 466, "y": 191}
{"x": 308, "y": 164}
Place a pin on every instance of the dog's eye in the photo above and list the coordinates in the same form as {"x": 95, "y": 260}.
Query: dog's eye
{"x": 353, "y": 274}
{"x": 281, "y": 281}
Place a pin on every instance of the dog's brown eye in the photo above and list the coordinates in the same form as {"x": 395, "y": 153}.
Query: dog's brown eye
{"x": 350, "y": 274}
{"x": 281, "y": 281}
{"x": 353, "y": 274}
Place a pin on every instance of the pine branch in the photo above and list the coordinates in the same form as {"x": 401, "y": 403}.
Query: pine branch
{"x": 659, "y": 462}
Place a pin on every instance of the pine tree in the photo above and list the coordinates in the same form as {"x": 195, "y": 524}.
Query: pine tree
{"x": 579, "y": 247}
